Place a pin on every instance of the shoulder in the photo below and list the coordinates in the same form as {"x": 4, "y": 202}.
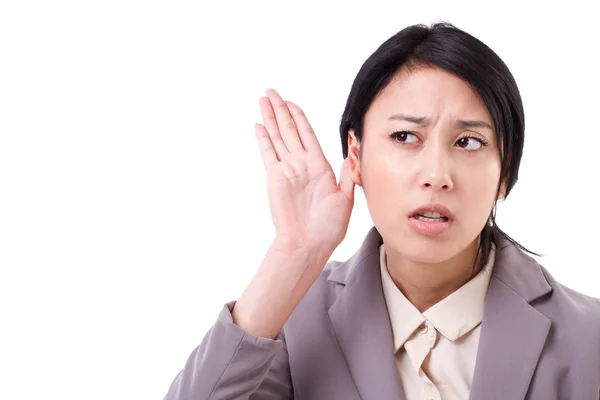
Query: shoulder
{"x": 532, "y": 281}
{"x": 575, "y": 317}
{"x": 577, "y": 304}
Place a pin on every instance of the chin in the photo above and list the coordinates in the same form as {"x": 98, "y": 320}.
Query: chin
{"x": 423, "y": 249}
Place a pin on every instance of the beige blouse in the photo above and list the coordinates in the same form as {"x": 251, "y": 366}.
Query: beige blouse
{"x": 436, "y": 349}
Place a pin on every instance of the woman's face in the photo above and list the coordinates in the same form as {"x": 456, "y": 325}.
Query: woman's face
{"x": 431, "y": 162}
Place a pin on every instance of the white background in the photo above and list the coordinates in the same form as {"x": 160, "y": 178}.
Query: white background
{"x": 132, "y": 194}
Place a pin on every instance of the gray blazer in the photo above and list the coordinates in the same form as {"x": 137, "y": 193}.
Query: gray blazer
{"x": 539, "y": 341}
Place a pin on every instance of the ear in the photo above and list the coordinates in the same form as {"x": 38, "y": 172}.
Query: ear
{"x": 353, "y": 158}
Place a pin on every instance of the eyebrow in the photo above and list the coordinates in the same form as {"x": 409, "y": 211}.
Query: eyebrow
{"x": 422, "y": 121}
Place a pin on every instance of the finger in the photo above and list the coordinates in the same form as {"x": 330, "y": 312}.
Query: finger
{"x": 306, "y": 132}
{"x": 346, "y": 182}
{"x": 267, "y": 151}
{"x": 287, "y": 127}
{"x": 270, "y": 124}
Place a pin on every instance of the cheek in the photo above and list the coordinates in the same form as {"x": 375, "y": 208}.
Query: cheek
{"x": 478, "y": 185}
{"x": 387, "y": 186}
{"x": 386, "y": 175}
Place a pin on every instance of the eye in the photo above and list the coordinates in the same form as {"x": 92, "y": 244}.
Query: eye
{"x": 402, "y": 136}
{"x": 471, "y": 143}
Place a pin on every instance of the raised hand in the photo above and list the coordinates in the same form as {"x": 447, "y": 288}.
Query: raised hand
{"x": 310, "y": 209}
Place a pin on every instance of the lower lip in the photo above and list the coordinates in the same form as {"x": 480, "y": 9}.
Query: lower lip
{"x": 429, "y": 228}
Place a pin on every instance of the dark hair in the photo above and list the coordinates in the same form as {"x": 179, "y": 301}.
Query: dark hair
{"x": 444, "y": 46}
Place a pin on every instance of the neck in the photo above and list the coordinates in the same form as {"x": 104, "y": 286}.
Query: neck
{"x": 425, "y": 284}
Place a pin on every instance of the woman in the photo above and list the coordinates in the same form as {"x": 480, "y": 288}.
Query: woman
{"x": 438, "y": 302}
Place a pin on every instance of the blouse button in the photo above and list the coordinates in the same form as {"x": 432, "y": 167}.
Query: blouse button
{"x": 423, "y": 328}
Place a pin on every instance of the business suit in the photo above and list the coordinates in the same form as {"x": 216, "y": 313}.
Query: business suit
{"x": 539, "y": 340}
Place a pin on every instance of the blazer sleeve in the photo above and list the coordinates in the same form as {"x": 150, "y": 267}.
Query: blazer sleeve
{"x": 231, "y": 364}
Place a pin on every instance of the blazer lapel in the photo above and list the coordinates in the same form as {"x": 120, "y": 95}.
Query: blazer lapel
{"x": 361, "y": 324}
{"x": 513, "y": 332}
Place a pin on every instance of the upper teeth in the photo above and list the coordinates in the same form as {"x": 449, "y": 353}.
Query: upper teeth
{"x": 432, "y": 214}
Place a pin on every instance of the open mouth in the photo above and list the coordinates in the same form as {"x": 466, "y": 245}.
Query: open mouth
{"x": 431, "y": 218}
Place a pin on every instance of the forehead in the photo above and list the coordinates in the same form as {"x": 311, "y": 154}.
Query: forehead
{"x": 430, "y": 92}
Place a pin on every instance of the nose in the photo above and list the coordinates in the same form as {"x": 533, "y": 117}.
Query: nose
{"x": 435, "y": 171}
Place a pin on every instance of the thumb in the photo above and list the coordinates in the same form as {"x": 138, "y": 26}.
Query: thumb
{"x": 346, "y": 183}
